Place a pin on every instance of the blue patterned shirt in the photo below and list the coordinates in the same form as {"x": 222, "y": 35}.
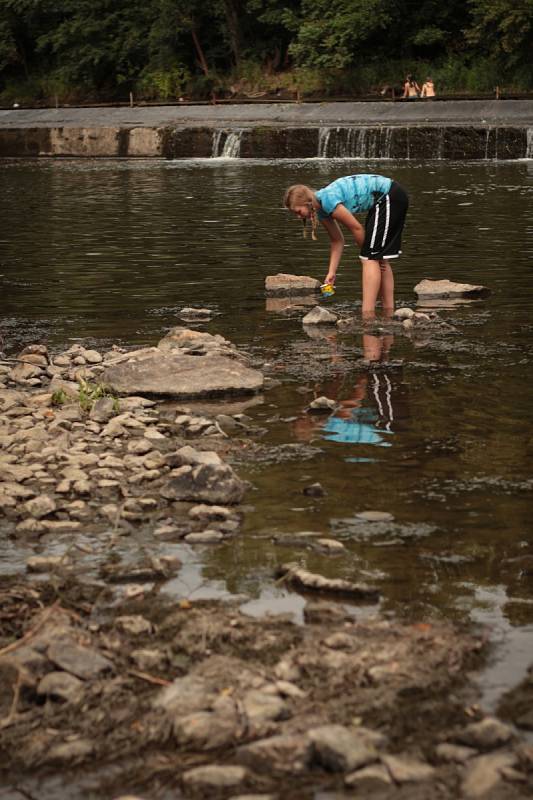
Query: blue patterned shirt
{"x": 355, "y": 192}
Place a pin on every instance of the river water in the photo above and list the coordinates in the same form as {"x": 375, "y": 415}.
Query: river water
{"x": 110, "y": 251}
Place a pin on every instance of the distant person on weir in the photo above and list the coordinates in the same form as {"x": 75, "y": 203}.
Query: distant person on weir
{"x": 380, "y": 239}
{"x": 428, "y": 89}
{"x": 411, "y": 89}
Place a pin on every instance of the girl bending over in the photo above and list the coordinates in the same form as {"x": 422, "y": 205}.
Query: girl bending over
{"x": 380, "y": 239}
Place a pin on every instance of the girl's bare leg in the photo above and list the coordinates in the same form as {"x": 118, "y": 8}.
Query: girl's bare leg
{"x": 387, "y": 288}
{"x": 371, "y": 287}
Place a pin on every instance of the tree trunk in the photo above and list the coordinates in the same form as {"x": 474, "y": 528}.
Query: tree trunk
{"x": 200, "y": 53}
{"x": 234, "y": 29}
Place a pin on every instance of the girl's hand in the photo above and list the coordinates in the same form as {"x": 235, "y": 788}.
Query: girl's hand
{"x": 330, "y": 278}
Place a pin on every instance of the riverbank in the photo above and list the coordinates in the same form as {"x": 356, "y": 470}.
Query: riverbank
{"x": 485, "y": 129}
{"x": 110, "y": 686}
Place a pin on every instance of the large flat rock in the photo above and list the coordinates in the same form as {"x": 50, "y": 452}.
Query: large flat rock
{"x": 287, "y": 284}
{"x": 444, "y": 288}
{"x": 174, "y": 374}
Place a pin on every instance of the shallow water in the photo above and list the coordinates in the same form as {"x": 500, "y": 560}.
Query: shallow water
{"x": 110, "y": 251}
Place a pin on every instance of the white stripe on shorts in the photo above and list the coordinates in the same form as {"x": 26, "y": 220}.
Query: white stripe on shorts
{"x": 374, "y": 232}
{"x": 387, "y": 220}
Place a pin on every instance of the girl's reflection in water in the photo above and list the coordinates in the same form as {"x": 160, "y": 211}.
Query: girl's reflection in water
{"x": 376, "y": 405}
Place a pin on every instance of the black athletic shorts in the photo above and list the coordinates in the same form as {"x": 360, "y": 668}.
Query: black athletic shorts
{"x": 384, "y": 225}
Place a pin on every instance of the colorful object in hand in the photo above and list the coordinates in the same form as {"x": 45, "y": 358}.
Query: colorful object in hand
{"x": 327, "y": 289}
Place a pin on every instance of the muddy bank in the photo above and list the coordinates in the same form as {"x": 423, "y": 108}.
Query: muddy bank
{"x": 103, "y": 696}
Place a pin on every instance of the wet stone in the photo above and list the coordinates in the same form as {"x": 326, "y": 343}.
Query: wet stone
{"x": 134, "y": 624}
{"x": 284, "y": 284}
{"x": 368, "y": 778}
{"x": 45, "y": 563}
{"x": 40, "y": 506}
{"x": 408, "y": 770}
{"x": 322, "y": 405}
{"x": 208, "y": 483}
{"x": 103, "y": 409}
{"x": 330, "y": 546}
{"x": 444, "y": 288}
{"x": 375, "y": 516}
{"x": 213, "y": 777}
{"x": 403, "y": 313}
{"x": 207, "y": 730}
{"x": 487, "y": 734}
{"x": 204, "y": 537}
{"x": 323, "y": 613}
{"x": 454, "y": 753}
{"x": 289, "y": 754}
{"x": 80, "y": 661}
{"x": 61, "y": 686}
{"x": 205, "y": 512}
{"x": 320, "y": 316}
{"x": 314, "y": 490}
{"x": 261, "y": 707}
{"x": 484, "y": 773}
{"x": 67, "y": 752}
{"x": 341, "y": 749}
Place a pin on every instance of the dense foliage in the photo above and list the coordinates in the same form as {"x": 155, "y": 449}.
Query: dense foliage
{"x": 164, "y": 49}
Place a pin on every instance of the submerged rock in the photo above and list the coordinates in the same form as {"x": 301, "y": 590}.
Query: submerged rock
{"x": 320, "y": 316}
{"x": 301, "y": 578}
{"x": 322, "y": 405}
{"x": 284, "y": 283}
{"x": 444, "y": 288}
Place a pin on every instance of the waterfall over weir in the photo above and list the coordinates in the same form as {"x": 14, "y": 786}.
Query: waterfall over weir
{"x": 468, "y": 142}
{"x": 226, "y": 144}
{"x": 360, "y": 142}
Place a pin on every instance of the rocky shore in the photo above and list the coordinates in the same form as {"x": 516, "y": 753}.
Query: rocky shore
{"x": 112, "y": 688}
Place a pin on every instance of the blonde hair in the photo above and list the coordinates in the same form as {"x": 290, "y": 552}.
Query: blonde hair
{"x": 301, "y": 195}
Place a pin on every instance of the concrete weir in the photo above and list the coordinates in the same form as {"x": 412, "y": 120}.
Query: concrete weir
{"x": 493, "y": 129}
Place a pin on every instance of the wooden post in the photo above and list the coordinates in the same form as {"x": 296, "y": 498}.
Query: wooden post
{"x": 497, "y": 93}
{"x": 131, "y": 99}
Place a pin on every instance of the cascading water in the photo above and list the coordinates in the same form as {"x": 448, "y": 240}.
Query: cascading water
{"x": 226, "y": 144}
{"x": 355, "y": 142}
{"x": 529, "y": 143}
{"x": 324, "y": 135}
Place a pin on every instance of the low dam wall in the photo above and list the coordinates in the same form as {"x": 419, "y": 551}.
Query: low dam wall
{"x": 446, "y": 130}
{"x": 268, "y": 142}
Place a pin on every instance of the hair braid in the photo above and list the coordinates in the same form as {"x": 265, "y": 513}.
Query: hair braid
{"x": 300, "y": 195}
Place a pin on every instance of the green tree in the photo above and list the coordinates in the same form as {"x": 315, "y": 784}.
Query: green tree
{"x": 331, "y": 34}
{"x": 96, "y": 43}
{"x": 502, "y": 29}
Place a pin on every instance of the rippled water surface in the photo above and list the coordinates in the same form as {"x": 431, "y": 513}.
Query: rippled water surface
{"x": 440, "y": 436}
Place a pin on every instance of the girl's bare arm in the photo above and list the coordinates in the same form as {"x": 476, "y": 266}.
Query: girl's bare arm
{"x": 341, "y": 214}
{"x": 336, "y": 240}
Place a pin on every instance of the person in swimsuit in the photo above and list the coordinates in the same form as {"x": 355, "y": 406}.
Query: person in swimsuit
{"x": 411, "y": 89}
{"x": 428, "y": 89}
